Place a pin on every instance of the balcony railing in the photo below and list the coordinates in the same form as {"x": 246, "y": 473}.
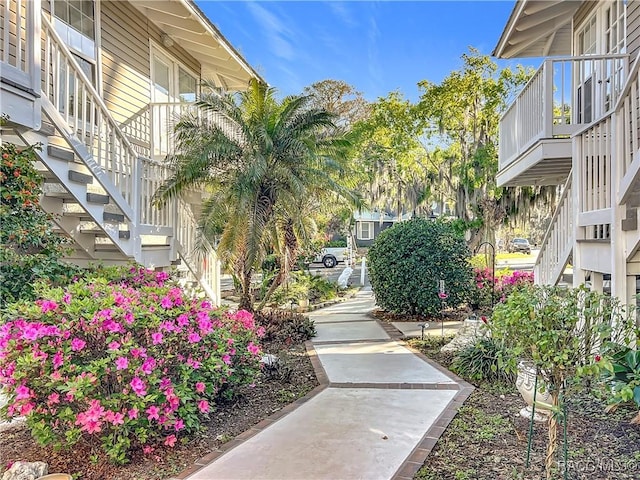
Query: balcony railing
{"x": 562, "y": 95}
{"x": 19, "y": 36}
{"x": 152, "y": 129}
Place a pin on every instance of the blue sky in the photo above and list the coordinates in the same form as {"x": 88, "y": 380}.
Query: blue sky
{"x": 377, "y": 47}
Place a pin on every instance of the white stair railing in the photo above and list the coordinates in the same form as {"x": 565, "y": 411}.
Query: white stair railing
{"x": 200, "y": 257}
{"x": 558, "y": 241}
{"x": 628, "y": 126}
{"x": 88, "y": 120}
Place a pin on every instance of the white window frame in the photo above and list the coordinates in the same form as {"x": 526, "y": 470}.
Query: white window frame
{"x": 157, "y": 51}
{"x": 370, "y": 233}
{"x": 601, "y": 47}
{"x": 89, "y": 49}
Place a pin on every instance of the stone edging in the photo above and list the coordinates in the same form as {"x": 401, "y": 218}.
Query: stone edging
{"x": 419, "y": 455}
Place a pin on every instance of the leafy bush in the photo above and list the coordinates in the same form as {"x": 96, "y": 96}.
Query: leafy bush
{"x": 285, "y": 327}
{"x": 304, "y": 285}
{"x": 407, "y": 261}
{"x": 480, "y": 361}
{"x": 122, "y": 365}
{"x": 30, "y": 250}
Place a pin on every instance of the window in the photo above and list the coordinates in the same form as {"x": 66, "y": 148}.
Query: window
{"x": 172, "y": 82}
{"x": 365, "y": 231}
{"x": 78, "y": 14}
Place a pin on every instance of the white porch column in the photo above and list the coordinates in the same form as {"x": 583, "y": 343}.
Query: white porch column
{"x": 596, "y": 282}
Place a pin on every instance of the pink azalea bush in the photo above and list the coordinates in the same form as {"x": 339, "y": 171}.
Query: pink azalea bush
{"x": 125, "y": 364}
{"x": 505, "y": 283}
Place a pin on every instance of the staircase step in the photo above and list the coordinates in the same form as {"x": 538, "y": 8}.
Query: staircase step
{"x": 80, "y": 177}
{"x": 97, "y": 198}
{"x": 60, "y": 153}
{"x": 113, "y": 217}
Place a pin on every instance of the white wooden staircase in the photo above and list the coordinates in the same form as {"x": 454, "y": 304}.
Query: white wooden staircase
{"x": 97, "y": 186}
{"x": 557, "y": 245}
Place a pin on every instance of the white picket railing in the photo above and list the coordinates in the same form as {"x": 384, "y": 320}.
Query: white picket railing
{"x": 563, "y": 94}
{"x": 558, "y": 241}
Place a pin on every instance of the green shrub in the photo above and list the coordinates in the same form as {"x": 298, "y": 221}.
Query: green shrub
{"x": 407, "y": 261}
{"x": 479, "y": 361}
{"x": 30, "y": 250}
{"x": 121, "y": 365}
{"x": 285, "y": 327}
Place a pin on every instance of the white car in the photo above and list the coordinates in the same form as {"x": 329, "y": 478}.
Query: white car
{"x": 331, "y": 256}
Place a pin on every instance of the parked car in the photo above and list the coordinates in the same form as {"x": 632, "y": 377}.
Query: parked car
{"x": 330, "y": 256}
{"x": 520, "y": 245}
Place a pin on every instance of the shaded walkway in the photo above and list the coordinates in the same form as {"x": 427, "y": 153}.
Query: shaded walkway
{"x": 377, "y": 415}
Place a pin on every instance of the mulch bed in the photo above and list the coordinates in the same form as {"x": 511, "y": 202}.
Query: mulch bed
{"x": 488, "y": 439}
{"x": 292, "y": 380}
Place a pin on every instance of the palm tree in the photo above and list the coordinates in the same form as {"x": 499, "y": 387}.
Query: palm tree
{"x": 256, "y": 157}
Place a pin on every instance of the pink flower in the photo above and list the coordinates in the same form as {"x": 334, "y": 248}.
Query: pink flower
{"x": 597, "y": 358}
{"x": 31, "y": 331}
{"x": 179, "y": 425}
{"x": 138, "y": 386}
{"x": 148, "y": 365}
{"x": 183, "y": 320}
{"x": 23, "y": 392}
{"x": 27, "y": 408}
{"x": 153, "y": 413}
{"x": 203, "y": 406}
{"x": 58, "y": 360}
{"x": 166, "y": 302}
{"x": 147, "y": 449}
{"x": 122, "y": 363}
{"x": 253, "y": 349}
{"x": 226, "y": 359}
{"x": 66, "y": 298}
{"x": 442, "y": 295}
{"x": 48, "y": 305}
{"x": 77, "y": 344}
{"x": 53, "y": 398}
{"x": 170, "y": 441}
{"x": 156, "y": 338}
{"x": 116, "y": 418}
{"x": 132, "y": 413}
{"x": 193, "y": 337}
{"x": 261, "y": 332}
{"x": 200, "y": 387}
{"x": 113, "y": 345}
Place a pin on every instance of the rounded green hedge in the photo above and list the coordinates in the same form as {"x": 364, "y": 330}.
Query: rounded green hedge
{"x": 407, "y": 261}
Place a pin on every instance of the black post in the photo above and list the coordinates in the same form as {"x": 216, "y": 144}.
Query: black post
{"x": 493, "y": 270}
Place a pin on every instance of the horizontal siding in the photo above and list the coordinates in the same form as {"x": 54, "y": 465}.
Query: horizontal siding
{"x": 633, "y": 28}
{"x": 126, "y": 58}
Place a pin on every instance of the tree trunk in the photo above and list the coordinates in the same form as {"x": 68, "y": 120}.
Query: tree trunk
{"x": 553, "y": 436}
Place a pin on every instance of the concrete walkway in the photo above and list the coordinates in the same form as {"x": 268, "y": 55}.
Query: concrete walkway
{"x": 379, "y": 412}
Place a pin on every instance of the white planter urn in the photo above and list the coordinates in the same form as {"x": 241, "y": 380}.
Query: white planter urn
{"x": 525, "y": 383}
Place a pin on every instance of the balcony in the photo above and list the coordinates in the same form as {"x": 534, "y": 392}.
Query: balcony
{"x": 563, "y": 96}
